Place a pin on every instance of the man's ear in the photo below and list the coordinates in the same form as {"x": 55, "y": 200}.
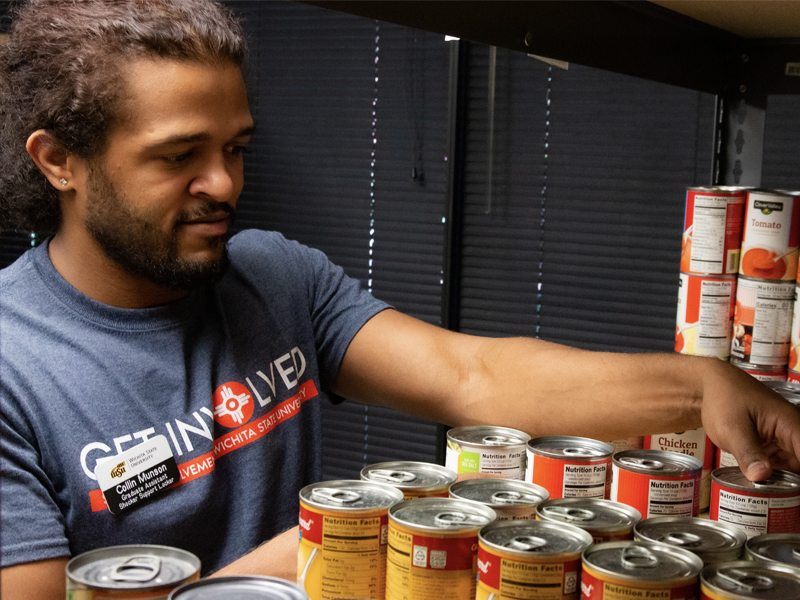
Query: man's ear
{"x": 51, "y": 158}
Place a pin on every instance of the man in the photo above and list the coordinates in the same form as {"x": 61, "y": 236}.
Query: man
{"x": 122, "y": 130}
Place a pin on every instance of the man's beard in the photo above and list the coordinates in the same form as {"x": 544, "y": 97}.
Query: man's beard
{"x": 139, "y": 247}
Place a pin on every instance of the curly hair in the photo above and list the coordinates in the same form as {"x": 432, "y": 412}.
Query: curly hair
{"x": 63, "y": 69}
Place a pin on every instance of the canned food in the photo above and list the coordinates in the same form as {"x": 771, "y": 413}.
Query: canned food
{"x": 239, "y": 588}
{"x": 794, "y": 335}
{"x": 771, "y": 236}
{"x": 530, "y": 560}
{"x": 769, "y": 506}
{"x": 762, "y": 321}
{"x": 631, "y": 443}
{"x": 487, "y": 449}
{"x": 433, "y": 548}
{"x": 712, "y": 230}
{"x": 783, "y": 548}
{"x": 604, "y": 520}
{"x": 705, "y": 314}
{"x": 656, "y": 483}
{"x": 570, "y": 467}
{"x": 762, "y": 372}
{"x": 133, "y": 571}
{"x": 745, "y": 580}
{"x": 414, "y": 479}
{"x": 691, "y": 443}
{"x": 509, "y": 499}
{"x": 793, "y": 376}
{"x": 343, "y": 538}
{"x": 617, "y": 570}
{"x": 712, "y": 541}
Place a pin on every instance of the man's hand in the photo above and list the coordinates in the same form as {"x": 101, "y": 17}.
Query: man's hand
{"x": 275, "y": 558}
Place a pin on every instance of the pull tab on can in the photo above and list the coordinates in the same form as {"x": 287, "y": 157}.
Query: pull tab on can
{"x": 335, "y": 496}
{"x": 638, "y": 557}
{"x": 459, "y": 519}
{"x": 526, "y": 543}
{"x": 500, "y": 440}
{"x": 643, "y": 463}
{"x": 580, "y": 452}
{"x": 746, "y": 581}
{"x": 512, "y": 497}
{"x": 575, "y": 515}
{"x": 137, "y": 569}
{"x": 683, "y": 539}
{"x": 396, "y": 477}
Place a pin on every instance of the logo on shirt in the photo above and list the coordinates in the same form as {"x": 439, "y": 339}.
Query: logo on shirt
{"x": 233, "y": 405}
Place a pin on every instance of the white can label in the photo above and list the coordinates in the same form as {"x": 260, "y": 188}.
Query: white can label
{"x": 670, "y": 498}
{"x": 708, "y": 234}
{"x": 751, "y": 513}
{"x": 584, "y": 481}
{"x": 510, "y": 463}
{"x": 726, "y": 459}
{"x": 763, "y": 322}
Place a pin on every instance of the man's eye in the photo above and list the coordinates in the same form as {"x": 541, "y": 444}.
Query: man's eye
{"x": 178, "y": 158}
{"x": 237, "y": 150}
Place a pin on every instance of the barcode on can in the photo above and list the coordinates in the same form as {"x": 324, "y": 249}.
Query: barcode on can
{"x": 793, "y": 69}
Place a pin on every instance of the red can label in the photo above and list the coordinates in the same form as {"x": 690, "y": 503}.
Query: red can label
{"x": 508, "y": 577}
{"x": 771, "y": 236}
{"x": 762, "y": 321}
{"x": 692, "y": 443}
{"x": 705, "y": 315}
{"x": 655, "y": 496}
{"x": 712, "y": 231}
{"x": 570, "y": 478}
{"x": 793, "y": 376}
{"x": 595, "y": 587}
{"x": 755, "y": 513}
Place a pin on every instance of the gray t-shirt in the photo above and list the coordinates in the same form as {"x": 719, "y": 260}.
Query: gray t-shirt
{"x": 82, "y": 381}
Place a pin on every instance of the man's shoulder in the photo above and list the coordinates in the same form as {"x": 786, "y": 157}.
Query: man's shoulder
{"x": 16, "y": 278}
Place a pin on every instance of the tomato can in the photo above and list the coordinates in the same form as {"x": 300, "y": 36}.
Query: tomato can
{"x": 771, "y": 236}
{"x": 433, "y": 548}
{"x": 757, "y": 507}
{"x": 712, "y": 230}
{"x": 509, "y": 499}
{"x": 414, "y": 479}
{"x": 343, "y": 538}
{"x": 762, "y": 321}
{"x": 604, "y": 520}
{"x": 138, "y": 571}
{"x": 530, "y": 560}
{"x": 487, "y": 449}
{"x": 249, "y": 587}
{"x": 617, "y": 570}
{"x": 712, "y": 541}
{"x": 692, "y": 443}
{"x": 762, "y": 372}
{"x": 705, "y": 314}
{"x": 657, "y": 483}
{"x": 570, "y": 467}
{"x": 746, "y": 580}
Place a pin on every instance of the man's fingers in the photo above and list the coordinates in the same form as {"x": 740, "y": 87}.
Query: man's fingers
{"x": 748, "y": 451}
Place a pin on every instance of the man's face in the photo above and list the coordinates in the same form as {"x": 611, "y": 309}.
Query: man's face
{"x": 160, "y": 199}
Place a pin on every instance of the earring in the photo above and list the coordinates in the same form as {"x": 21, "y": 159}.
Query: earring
{"x": 63, "y": 182}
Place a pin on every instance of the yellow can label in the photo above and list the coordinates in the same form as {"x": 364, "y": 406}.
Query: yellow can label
{"x": 342, "y": 555}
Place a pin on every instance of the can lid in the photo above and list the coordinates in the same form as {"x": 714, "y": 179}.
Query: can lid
{"x": 780, "y": 482}
{"x": 643, "y": 561}
{"x": 438, "y": 514}
{"x": 701, "y": 536}
{"x": 570, "y": 447}
{"x": 657, "y": 462}
{"x": 753, "y": 580}
{"x": 488, "y": 435}
{"x": 350, "y": 495}
{"x": 594, "y": 514}
{"x": 140, "y": 567}
{"x": 529, "y": 538}
{"x": 775, "y": 547}
{"x": 239, "y": 588}
{"x": 499, "y": 492}
{"x": 405, "y": 474}
{"x": 788, "y": 389}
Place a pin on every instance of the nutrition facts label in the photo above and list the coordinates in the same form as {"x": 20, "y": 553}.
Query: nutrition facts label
{"x": 511, "y": 464}
{"x": 714, "y": 321}
{"x": 772, "y": 325}
{"x": 353, "y": 558}
{"x": 710, "y": 224}
{"x": 757, "y": 515}
{"x": 670, "y": 498}
{"x": 506, "y": 578}
{"x": 584, "y": 481}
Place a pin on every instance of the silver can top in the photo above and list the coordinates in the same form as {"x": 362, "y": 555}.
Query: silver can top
{"x": 408, "y": 475}
{"x": 138, "y": 567}
{"x": 499, "y": 492}
{"x": 780, "y": 482}
{"x": 441, "y": 514}
{"x": 788, "y": 389}
{"x": 643, "y": 561}
{"x": 529, "y": 538}
{"x": 747, "y": 580}
{"x": 593, "y": 514}
{"x": 712, "y": 541}
{"x": 239, "y": 588}
{"x": 781, "y": 548}
{"x": 658, "y": 462}
{"x": 350, "y": 495}
{"x": 570, "y": 448}
{"x": 488, "y": 435}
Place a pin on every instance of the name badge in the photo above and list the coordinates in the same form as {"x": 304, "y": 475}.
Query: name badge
{"x": 137, "y": 475}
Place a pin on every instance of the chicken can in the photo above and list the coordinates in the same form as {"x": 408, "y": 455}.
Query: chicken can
{"x": 756, "y": 507}
{"x": 604, "y": 520}
{"x": 433, "y": 548}
{"x": 746, "y": 580}
{"x": 782, "y": 548}
{"x": 712, "y": 541}
{"x": 343, "y": 538}
{"x": 249, "y": 587}
{"x": 628, "y": 570}
{"x": 414, "y": 479}
{"x": 762, "y": 321}
{"x": 138, "y": 571}
{"x": 487, "y": 449}
{"x": 771, "y": 236}
{"x": 657, "y": 483}
{"x": 530, "y": 560}
{"x": 705, "y": 314}
{"x": 570, "y": 467}
{"x": 510, "y": 500}
{"x": 712, "y": 230}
